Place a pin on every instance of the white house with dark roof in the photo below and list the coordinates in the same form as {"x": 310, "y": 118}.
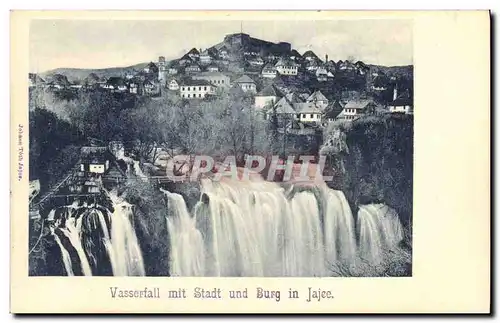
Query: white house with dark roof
{"x": 212, "y": 68}
{"x": 319, "y": 99}
{"x": 401, "y": 103}
{"x": 310, "y": 56}
{"x": 308, "y": 112}
{"x": 256, "y": 61}
{"x": 206, "y": 56}
{"x": 286, "y": 67}
{"x": 356, "y": 108}
{"x": 267, "y": 97}
{"x": 215, "y": 78}
{"x": 194, "y": 54}
{"x": 246, "y": 84}
{"x": 321, "y": 74}
{"x": 269, "y": 71}
{"x": 173, "y": 85}
{"x": 196, "y": 89}
{"x": 193, "y": 68}
{"x": 282, "y": 108}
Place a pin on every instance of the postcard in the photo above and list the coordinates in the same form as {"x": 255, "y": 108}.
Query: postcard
{"x": 250, "y": 162}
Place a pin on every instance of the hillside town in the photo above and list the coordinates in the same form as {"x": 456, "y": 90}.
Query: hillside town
{"x": 303, "y": 88}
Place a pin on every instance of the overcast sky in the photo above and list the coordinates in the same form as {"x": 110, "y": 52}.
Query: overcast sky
{"x": 110, "y": 43}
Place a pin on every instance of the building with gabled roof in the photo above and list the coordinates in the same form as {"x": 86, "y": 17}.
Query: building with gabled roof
{"x": 246, "y": 84}
{"x": 269, "y": 71}
{"x": 212, "y": 68}
{"x": 308, "y": 112}
{"x": 286, "y": 67}
{"x": 353, "y": 109}
{"x": 268, "y": 96}
{"x": 310, "y": 56}
{"x": 194, "y": 54}
{"x": 319, "y": 99}
{"x": 401, "y": 103}
{"x": 215, "y": 78}
{"x": 151, "y": 68}
{"x": 332, "y": 111}
{"x": 196, "y": 89}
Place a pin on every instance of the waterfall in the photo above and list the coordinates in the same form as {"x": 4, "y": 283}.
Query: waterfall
{"x": 379, "y": 231}
{"x": 184, "y": 236}
{"x": 72, "y": 233}
{"x": 65, "y": 256}
{"x": 257, "y": 229}
{"x": 127, "y": 254}
{"x": 93, "y": 231}
{"x": 340, "y": 241}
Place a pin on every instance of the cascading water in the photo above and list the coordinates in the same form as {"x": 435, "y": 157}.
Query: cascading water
{"x": 128, "y": 257}
{"x": 71, "y": 232}
{"x": 379, "y": 231}
{"x": 99, "y": 238}
{"x": 258, "y": 229}
{"x": 66, "y": 258}
{"x": 184, "y": 236}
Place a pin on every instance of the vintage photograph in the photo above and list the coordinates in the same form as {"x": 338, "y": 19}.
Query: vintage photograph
{"x": 235, "y": 148}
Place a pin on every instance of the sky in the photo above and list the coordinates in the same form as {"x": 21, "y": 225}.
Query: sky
{"x": 113, "y": 43}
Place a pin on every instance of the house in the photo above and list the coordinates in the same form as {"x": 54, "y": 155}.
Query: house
{"x": 355, "y": 108}
{"x": 94, "y": 160}
{"x": 59, "y": 81}
{"x": 215, "y": 78}
{"x": 151, "y": 87}
{"x": 151, "y": 68}
{"x": 331, "y": 66}
{"x": 294, "y": 55}
{"x": 173, "y": 85}
{"x": 269, "y": 71}
{"x": 321, "y": 74}
{"x": 332, "y": 111}
{"x": 267, "y": 97}
{"x": 308, "y": 112}
{"x": 362, "y": 68}
{"x": 346, "y": 66}
{"x": 75, "y": 86}
{"x": 310, "y": 56}
{"x": 286, "y": 67}
{"x": 318, "y": 99}
{"x": 173, "y": 68}
{"x": 92, "y": 80}
{"x": 246, "y": 84}
{"x": 117, "y": 84}
{"x": 194, "y": 54}
{"x": 380, "y": 82}
{"x": 401, "y": 103}
{"x": 283, "y": 109}
{"x": 212, "y": 68}
{"x": 196, "y": 89}
{"x": 193, "y": 68}
{"x": 185, "y": 60}
{"x": 256, "y": 61}
{"x": 133, "y": 87}
{"x": 207, "y": 56}
{"x": 312, "y": 65}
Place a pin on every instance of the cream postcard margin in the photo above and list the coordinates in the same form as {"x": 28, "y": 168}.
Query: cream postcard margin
{"x": 451, "y": 222}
